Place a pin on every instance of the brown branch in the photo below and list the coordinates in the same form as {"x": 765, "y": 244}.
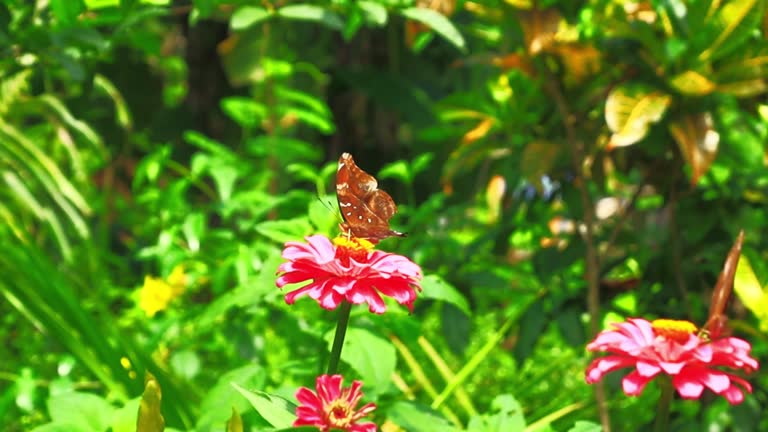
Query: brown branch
{"x": 592, "y": 262}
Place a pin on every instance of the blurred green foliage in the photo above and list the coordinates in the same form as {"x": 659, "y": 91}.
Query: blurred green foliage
{"x": 557, "y": 164}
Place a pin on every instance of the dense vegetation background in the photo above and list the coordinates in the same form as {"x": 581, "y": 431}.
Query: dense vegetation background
{"x": 558, "y": 165}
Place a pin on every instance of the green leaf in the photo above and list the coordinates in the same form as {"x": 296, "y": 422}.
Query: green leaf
{"x": 371, "y": 355}
{"x": 436, "y": 288}
{"x": 585, "y": 426}
{"x": 247, "y": 16}
{"x": 244, "y": 111}
{"x": 308, "y": 12}
{"x": 89, "y": 410}
{"x": 374, "y": 13}
{"x": 437, "y": 22}
{"x": 506, "y": 414}
{"x": 63, "y": 427}
{"x": 217, "y": 404}
{"x": 124, "y": 419}
{"x": 749, "y": 290}
{"x": 281, "y": 231}
{"x": 186, "y": 363}
{"x": 415, "y": 418}
{"x": 67, "y": 11}
{"x": 398, "y": 170}
{"x": 277, "y": 411}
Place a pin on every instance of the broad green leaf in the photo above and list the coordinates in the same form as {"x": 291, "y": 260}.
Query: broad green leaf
{"x": 281, "y": 231}
{"x": 124, "y": 419}
{"x": 631, "y": 110}
{"x": 585, "y": 426}
{"x": 219, "y": 400}
{"x": 398, "y": 170}
{"x": 186, "y": 363}
{"x": 277, "y": 411}
{"x": 309, "y": 12}
{"x": 506, "y": 414}
{"x": 750, "y": 292}
{"x": 63, "y": 427}
{"x": 416, "y": 418}
{"x": 98, "y": 4}
{"x": 698, "y": 142}
{"x": 437, "y": 22}
{"x": 87, "y": 409}
{"x": 150, "y": 418}
{"x": 371, "y": 355}
{"x": 692, "y": 83}
{"x": 247, "y": 16}
{"x": 66, "y": 11}
{"x": 374, "y": 12}
{"x": 435, "y": 287}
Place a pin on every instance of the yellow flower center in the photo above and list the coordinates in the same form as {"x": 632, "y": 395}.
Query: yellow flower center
{"x": 676, "y": 330}
{"x": 352, "y": 247}
{"x": 340, "y": 414}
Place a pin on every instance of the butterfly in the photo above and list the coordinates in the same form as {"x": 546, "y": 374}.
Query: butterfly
{"x": 366, "y": 210}
{"x": 716, "y": 324}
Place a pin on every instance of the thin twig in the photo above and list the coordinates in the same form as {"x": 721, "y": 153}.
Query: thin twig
{"x": 592, "y": 262}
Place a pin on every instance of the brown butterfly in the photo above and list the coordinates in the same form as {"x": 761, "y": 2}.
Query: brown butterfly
{"x": 716, "y": 324}
{"x": 365, "y": 208}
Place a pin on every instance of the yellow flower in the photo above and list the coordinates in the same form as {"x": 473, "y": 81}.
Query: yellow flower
{"x": 154, "y": 295}
{"x": 177, "y": 280}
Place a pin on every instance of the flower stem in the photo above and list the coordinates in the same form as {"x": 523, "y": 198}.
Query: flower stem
{"x": 665, "y": 401}
{"x": 338, "y": 338}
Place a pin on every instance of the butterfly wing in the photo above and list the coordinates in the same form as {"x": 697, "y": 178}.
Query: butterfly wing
{"x": 366, "y": 209}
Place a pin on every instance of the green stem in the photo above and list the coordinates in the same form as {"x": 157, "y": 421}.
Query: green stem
{"x": 665, "y": 401}
{"x": 338, "y": 338}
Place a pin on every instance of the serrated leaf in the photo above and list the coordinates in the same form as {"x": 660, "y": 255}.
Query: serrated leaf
{"x": 309, "y": 12}
{"x": 437, "y": 22}
{"x": 436, "y": 288}
{"x": 150, "y": 418}
{"x": 692, "y": 83}
{"x": 274, "y": 409}
{"x": 630, "y": 110}
{"x": 698, "y": 142}
{"x": 247, "y": 16}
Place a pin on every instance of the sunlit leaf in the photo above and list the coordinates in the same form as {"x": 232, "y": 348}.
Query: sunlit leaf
{"x": 494, "y": 193}
{"x": 309, "y": 12}
{"x": 275, "y": 410}
{"x": 413, "y": 417}
{"x": 750, "y": 292}
{"x": 580, "y": 61}
{"x": 416, "y": 35}
{"x": 437, "y": 22}
{"x": 692, "y": 83}
{"x": 697, "y": 140}
{"x": 479, "y": 131}
{"x": 374, "y": 12}
{"x": 246, "y": 16}
{"x": 150, "y": 418}
{"x": 436, "y": 288}
{"x": 506, "y": 414}
{"x": 631, "y": 110}
{"x": 730, "y": 21}
{"x": 371, "y": 355}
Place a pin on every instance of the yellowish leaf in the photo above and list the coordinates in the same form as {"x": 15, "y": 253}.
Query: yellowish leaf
{"x": 235, "y": 423}
{"x": 494, "y": 194}
{"x": 150, "y": 418}
{"x": 748, "y": 290}
{"x": 479, "y": 131}
{"x": 746, "y": 88}
{"x": 730, "y": 16}
{"x": 692, "y": 83}
{"x": 630, "y": 111}
{"x": 698, "y": 142}
{"x": 580, "y": 61}
{"x": 539, "y": 28}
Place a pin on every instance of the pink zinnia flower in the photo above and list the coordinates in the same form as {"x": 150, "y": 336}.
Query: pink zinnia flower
{"x": 672, "y": 347}
{"x": 333, "y": 407}
{"x": 348, "y": 269}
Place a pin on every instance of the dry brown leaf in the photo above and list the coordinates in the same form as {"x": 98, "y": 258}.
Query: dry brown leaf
{"x": 698, "y": 142}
